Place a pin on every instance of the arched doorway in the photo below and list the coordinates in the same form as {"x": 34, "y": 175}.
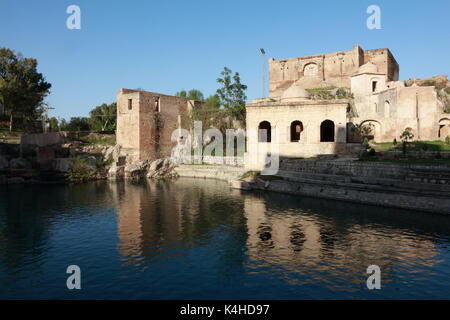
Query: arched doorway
{"x": 370, "y": 129}
{"x": 296, "y": 130}
{"x": 327, "y": 131}
{"x": 387, "y": 109}
{"x": 265, "y": 132}
{"x": 444, "y": 128}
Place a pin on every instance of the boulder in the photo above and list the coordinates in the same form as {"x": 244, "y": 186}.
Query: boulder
{"x": 156, "y": 165}
{"x": 133, "y": 171}
{"x": 91, "y": 162}
{"x": 4, "y": 163}
{"x": 162, "y": 168}
{"x": 242, "y": 185}
{"x": 116, "y": 172}
{"x": 19, "y": 163}
{"x": 63, "y": 164}
{"x": 45, "y": 157}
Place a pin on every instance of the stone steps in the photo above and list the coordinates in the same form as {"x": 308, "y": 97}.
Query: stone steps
{"x": 364, "y": 183}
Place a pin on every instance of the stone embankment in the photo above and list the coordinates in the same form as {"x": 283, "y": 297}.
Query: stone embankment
{"x": 219, "y": 172}
{"x": 157, "y": 169}
{"x": 416, "y": 187}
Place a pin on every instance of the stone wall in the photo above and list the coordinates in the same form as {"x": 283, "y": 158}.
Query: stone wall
{"x": 371, "y": 170}
{"x": 219, "y": 172}
{"x": 311, "y": 114}
{"x": 364, "y": 195}
{"x": 391, "y": 111}
{"x": 230, "y": 161}
{"x": 146, "y": 121}
{"x": 330, "y": 69}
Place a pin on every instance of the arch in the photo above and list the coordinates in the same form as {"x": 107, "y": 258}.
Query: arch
{"x": 264, "y": 132}
{"x": 370, "y": 129}
{"x": 387, "y": 109}
{"x": 444, "y": 128}
{"x": 296, "y": 130}
{"x": 310, "y": 69}
{"x": 327, "y": 131}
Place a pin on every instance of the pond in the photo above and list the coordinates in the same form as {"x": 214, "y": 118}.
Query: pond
{"x": 198, "y": 239}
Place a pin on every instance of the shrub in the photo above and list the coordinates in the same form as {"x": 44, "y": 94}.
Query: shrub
{"x": 365, "y": 141}
{"x": 372, "y": 152}
{"x": 80, "y": 170}
{"x": 447, "y": 140}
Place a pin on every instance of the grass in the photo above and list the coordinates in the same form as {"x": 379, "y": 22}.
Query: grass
{"x": 15, "y": 133}
{"x": 101, "y": 139}
{"x": 80, "y": 171}
{"x": 412, "y": 146}
{"x": 10, "y": 137}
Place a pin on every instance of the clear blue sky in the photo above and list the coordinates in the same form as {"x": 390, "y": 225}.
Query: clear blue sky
{"x": 166, "y": 46}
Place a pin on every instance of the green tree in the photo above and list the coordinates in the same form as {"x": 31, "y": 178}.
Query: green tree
{"x": 22, "y": 88}
{"x": 406, "y": 136}
{"x": 78, "y": 124}
{"x": 53, "y": 124}
{"x": 103, "y": 117}
{"x": 232, "y": 93}
{"x": 213, "y": 101}
{"x": 192, "y": 94}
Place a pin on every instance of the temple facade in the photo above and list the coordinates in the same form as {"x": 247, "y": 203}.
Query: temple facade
{"x": 325, "y": 104}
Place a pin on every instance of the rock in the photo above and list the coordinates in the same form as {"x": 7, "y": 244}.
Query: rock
{"x": 45, "y": 157}
{"x": 16, "y": 180}
{"x": 4, "y": 163}
{"x": 242, "y": 185}
{"x": 19, "y": 163}
{"x": 134, "y": 171}
{"x": 63, "y": 164}
{"x": 91, "y": 162}
{"x": 116, "y": 172}
{"x": 156, "y": 165}
{"x": 108, "y": 152}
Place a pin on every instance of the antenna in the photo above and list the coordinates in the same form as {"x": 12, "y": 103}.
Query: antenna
{"x": 263, "y": 55}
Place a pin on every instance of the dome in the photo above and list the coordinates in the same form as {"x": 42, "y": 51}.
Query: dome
{"x": 295, "y": 92}
{"x": 368, "y": 68}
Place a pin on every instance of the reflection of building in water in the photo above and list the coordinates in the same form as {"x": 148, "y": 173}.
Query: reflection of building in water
{"x": 296, "y": 242}
{"x": 162, "y": 216}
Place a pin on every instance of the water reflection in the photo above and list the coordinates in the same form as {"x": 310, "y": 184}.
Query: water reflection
{"x": 198, "y": 239}
{"x": 338, "y": 243}
{"x": 320, "y": 241}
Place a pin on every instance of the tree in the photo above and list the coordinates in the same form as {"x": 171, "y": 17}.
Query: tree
{"x": 213, "y": 101}
{"x": 192, "y": 94}
{"x": 405, "y": 137}
{"x": 232, "y": 93}
{"x": 22, "y": 88}
{"x": 103, "y": 117}
{"x": 53, "y": 124}
{"x": 78, "y": 124}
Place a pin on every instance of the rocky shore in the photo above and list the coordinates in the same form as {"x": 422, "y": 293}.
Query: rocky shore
{"x": 51, "y": 158}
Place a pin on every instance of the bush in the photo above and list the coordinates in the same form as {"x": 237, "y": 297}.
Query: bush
{"x": 365, "y": 141}
{"x": 80, "y": 170}
{"x": 447, "y": 140}
{"x": 372, "y": 152}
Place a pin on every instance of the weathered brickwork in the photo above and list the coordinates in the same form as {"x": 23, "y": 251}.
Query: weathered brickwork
{"x": 146, "y": 121}
{"x": 367, "y": 101}
{"x": 330, "y": 69}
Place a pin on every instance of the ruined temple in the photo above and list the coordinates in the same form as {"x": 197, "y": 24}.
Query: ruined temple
{"x": 320, "y": 104}
{"x": 146, "y": 121}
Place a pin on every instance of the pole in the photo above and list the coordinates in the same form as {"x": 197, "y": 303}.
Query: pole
{"x": 263, "y": 56}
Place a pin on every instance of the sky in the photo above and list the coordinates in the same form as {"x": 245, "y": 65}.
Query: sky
{"x": 166, "y": 46}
